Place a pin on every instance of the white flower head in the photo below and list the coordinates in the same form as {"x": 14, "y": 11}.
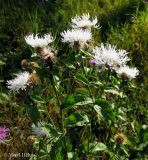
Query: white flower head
{"x": 84, "y": 22}
{"x": 39, "y": 130}
{"x": 36, "y": 41}
{"x": 127, "y": 72}
{"x": 76, "y": 36}
{"x": 110, "y": 56}
{"x": 20, "y": 82}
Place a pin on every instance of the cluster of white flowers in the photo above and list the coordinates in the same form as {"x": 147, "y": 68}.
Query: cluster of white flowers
{"x": 36, "y": 41}
{"x": 84, "y": 22}
{"x": 80, "y": 35}
{"x": 110, "y": 56}
{"x": 20, "y": 82}
{"x": 115, "y": 59}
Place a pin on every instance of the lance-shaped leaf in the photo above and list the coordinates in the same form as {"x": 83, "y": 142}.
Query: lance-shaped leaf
{"x": 75, "y": 100}
{"x": 97, "y": 146}
{"x": 38, "y": 99}
{"x": 77, "y": 119}
{"x": 81, "y": 78}
{"x": 106, "y": 109}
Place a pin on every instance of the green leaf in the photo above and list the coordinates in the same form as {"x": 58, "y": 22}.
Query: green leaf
{"x": 98, "y": 83}
{"x": 75, "y": 100}
{"x": 53, "y": 132}
{"x": 106, "y": 109}
{"x": 82, "y": 91}
{"x": 82, "y": 78}
{"x": 85, "y": 102}
{"x": 124, "y": 150}
{"x": 77, "y": 119}
{"x": 38, "y": 99}
{"x": 43, "y": 111}
{"x": 113, "y": 91}
{"x": 96, "y": 146}
{"x": 2, "y": 63}
{"x": 98, "y": 110}
{"x": 4, "y": 97}
{"x": 33, "y": 113}
{"x": 102, "y": 102}
{"x": 71, "y": 66}
{"x": 68, "y": 101}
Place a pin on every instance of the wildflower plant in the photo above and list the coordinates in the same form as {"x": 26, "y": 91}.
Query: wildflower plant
{"x": 74, "y": 95}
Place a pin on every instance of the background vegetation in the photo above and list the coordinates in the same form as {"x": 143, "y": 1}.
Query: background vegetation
{"x": 123, "y": 23}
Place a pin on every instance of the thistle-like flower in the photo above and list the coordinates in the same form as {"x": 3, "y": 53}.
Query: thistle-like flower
{"x": 4, "y": 132}
{"x": 36, "y": 41}
{"x": 77, "y": 38}
{"x": 84, "y": 22}
{"x": 39, "y": 130}
{"x": 21, "y": 82}
{"x": 110, "y": 56}
{"x": 127, "y": 72}
{"x": 31, "y": 139}
{"x": 120, "y": 138}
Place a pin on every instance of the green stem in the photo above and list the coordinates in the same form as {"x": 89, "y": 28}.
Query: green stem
{"x": 88, "y": 85}
{"x": 108, "y": 75}
{"x": 89, "y": 132}
{"x": 55, "y": 91}
{"x": 61, "y": 113}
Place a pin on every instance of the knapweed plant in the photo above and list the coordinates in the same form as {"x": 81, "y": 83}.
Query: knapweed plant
{"x": 74, "y": 91}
